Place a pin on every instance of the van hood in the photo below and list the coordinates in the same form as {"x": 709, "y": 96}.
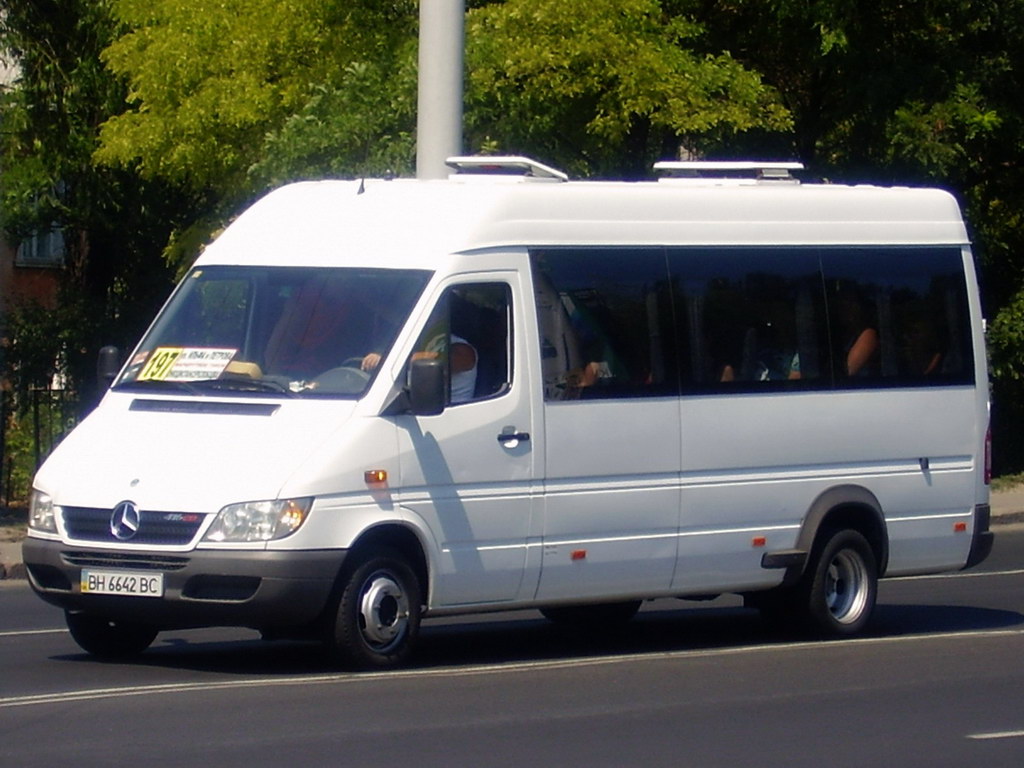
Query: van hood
{"x": 187, "y": 455}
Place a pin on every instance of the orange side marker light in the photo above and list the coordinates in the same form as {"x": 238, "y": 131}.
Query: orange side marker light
{"x": 375, "y": 476}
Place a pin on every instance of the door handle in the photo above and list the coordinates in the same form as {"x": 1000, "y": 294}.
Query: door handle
{"x": 513, "y": 437}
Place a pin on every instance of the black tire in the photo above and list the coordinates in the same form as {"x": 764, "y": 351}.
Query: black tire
{"x": 377, "y": 616}
{"x": 839, "y": 591}
{"x": 601, "y": 615}
{"x": 836, "y": 595}
{"x": 108, "y": 638}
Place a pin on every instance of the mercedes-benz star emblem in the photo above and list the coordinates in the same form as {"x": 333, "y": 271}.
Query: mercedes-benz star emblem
{"x": 124, "y": 522}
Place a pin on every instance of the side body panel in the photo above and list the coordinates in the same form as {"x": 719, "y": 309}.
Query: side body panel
{"x": 474, "y": 492}
{"x": 754, "y": 465}
{"x": 611, "y": 503}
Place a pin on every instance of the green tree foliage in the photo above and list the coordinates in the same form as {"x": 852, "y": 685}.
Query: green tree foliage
{"x": 895, "y": 89}
{"x": 61, "y": 97}
{"x": 113, "y": 224}
{"x": 236, "y": 95}
{"x": 207, "y": 78}
{"x": 222, "y": 91}
{"x": 1006, "y": 353}
{"x": 605, "y": 86}
{"x": 231, "y": 97}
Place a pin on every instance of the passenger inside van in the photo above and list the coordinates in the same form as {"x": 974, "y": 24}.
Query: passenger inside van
{"x": 920, "y": 349}
{"x": 862, "y": 352}
{"x": 858, "y": 335}
{"x": 777, "y": 358}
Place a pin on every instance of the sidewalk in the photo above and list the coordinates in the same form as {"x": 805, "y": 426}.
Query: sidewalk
{"x": 1007, "y": 508}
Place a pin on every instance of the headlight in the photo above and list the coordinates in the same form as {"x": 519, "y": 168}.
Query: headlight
{"x": 259, "y": 520}
{"x": 42, "y": 512}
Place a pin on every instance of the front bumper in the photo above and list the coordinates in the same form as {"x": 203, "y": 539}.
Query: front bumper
{"x": 259, "y": 589}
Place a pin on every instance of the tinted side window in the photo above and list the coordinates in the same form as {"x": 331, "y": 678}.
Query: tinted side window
{"x": 605, "y": 318}
{"x": 899, "y": 316}
{"x": 749, "y": 319}
{"x": 471, "y": 333}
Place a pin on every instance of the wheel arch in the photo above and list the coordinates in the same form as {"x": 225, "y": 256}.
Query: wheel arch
{"x": 401, "y": 538}
{"x": 844, "y": 506}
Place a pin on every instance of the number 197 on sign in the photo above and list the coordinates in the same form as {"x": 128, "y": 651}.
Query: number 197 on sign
{"x": 160, "y": 363}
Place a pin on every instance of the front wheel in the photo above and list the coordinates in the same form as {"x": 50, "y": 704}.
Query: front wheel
{"x": 108, "y": 638}
{"x": 841, "y": 590}
{"x": 377, "y": 618}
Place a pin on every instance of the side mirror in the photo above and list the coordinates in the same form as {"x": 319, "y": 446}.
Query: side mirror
{"x": 107, "y": 366}
{"x": 426, "y": 387}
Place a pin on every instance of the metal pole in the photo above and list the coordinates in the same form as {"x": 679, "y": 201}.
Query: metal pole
{"x": 439, "y": 102}
{"x": 35, "y": 428}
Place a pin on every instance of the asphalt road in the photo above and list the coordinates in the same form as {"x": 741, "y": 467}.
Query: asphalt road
{"x": 938, "y": 681}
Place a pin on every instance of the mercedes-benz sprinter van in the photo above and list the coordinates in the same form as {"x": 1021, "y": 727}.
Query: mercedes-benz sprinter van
{"x": 371, "y": 402}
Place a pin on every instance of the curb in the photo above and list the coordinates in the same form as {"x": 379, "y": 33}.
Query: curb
{"x": 11, "y": 566}
{"x": 1011, "y": 518}
{"x": 13, "y": 571}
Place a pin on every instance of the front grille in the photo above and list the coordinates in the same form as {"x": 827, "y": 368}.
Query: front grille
{"x": 155, "y": 528}
{"x": 129, "y": 560}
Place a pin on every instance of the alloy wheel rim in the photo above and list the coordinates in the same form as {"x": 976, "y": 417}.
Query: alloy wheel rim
{"x": 846, "y": 591}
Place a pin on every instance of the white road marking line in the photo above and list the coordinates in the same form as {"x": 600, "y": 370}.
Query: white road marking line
{"x": 491, "y": 669}
{"x": 997, "y": 735}
{"x": 26, "y": 632}
{"x": 960, "y": 575}
{"x": 478, "y": 669}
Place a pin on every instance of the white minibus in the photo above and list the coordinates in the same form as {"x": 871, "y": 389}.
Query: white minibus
{"x": 376, "y": 401}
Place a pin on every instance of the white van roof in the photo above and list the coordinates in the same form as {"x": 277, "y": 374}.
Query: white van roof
{"x": 411, "y": 223}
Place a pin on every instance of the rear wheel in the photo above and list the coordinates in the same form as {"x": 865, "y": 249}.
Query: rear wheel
{"x": 108, "y": 638}
{"x": 377, "y": 615}
{"x": 835, "y": 596}
{"x": 841, "y": 591}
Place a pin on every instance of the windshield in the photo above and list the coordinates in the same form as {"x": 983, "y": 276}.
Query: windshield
{"x": 284, "y": 330}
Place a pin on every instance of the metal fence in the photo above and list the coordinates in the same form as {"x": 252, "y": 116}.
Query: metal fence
{"x": 29, "y": 430}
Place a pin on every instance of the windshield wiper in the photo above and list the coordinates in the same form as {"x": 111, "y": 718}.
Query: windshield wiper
{"x": 244, "y": 385}
{"x": 198, "y": 386}
{"x": 158, "y": 384}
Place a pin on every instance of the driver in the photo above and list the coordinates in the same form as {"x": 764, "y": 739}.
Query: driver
{"x": 321, "y": 323}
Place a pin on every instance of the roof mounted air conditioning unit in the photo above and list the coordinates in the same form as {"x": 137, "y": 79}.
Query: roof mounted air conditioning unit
{"x": 757, "y": 170}
{"x": 504, "y": 165}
